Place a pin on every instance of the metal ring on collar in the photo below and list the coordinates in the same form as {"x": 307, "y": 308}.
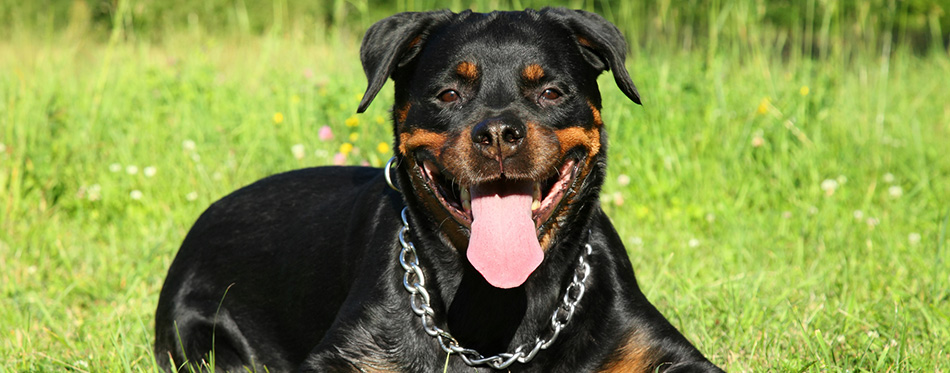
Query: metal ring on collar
{"x": 386, "y": 171}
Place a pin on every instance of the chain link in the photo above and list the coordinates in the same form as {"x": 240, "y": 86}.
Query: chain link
{"x": 414, "y": 282}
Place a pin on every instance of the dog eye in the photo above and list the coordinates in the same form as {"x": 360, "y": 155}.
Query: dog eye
{"x": 449, "y": 95}
{"x": 550, "y": 94}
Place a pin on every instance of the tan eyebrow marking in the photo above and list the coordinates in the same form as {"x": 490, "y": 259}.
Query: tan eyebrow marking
{"x": 467, "y": 70}
{"x": 532, "y": 72}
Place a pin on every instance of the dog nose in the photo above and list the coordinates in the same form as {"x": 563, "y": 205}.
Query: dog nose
{"x": 498, "y": 138}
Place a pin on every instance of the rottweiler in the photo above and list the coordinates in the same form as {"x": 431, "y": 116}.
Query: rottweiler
{"x": 489, "y": 252}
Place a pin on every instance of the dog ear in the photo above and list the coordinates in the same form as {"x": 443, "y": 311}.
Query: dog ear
{"x": 602, "y": 44}
{"x": 392, "y": 42}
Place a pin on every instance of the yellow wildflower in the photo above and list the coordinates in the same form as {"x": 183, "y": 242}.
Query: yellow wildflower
{"x": 352, "y": 121}
{"x": 642, "y": 211}
{"x": 278, "y": 118}
{"x": 804, "y": 90}
{"x": 354, "y": 136}
{"x": 380, "y": 119}
{"x": 382, "y": 148}
{"x": 764, "y": 106}
{"x": 346, "y": 148}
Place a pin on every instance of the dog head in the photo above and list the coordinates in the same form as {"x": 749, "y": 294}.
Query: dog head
{"x": 497, "y": 124}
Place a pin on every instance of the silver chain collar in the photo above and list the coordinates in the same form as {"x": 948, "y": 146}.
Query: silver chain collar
{"x": 414, "y": 282}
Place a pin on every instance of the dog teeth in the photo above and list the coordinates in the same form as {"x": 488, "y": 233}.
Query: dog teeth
{"x": 536, "y": 200}
{"x": 466, "y": 198}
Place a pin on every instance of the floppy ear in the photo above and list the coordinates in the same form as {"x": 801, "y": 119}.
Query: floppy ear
{"x": 602, "y": 44}
{"x": 391, "y": 43}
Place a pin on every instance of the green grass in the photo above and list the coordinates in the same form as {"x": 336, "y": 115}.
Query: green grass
{"x": 787, "y": 210}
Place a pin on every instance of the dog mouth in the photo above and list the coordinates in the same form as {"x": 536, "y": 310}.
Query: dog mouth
{"x": 546, "y": 194}
{"x": 506, "y": 218}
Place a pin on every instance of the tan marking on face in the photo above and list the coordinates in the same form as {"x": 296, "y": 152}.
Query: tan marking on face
{"x": 574, "y": 136}
{"x": 448, "y": 153}
{"x": 635, "y": 354}
{"x": 467, "y": 70}
{"x": 532, "y": 73}
{"x": 403, "y": 112}
{"x": 419, "y": 138}
{"x": 544, "y": 147}
{"x": 598, "y": 121}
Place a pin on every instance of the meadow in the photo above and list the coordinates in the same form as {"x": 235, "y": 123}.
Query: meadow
{"x": 783, "y": 192}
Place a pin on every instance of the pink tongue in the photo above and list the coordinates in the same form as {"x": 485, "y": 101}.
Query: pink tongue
{"x": 504, "y": 245}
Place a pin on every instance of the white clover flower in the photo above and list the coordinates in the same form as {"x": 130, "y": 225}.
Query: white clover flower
{"x": 829, "y": 186}
{"x": 623, "y": 180}
{"x": 858, "y": 215}
{"x": 298, "y": 151}
{"x": 914, "y": 238}
{"x": 888, "y": 178}
{"x": 193, "y": 195}
{"x": 135, "y": 194}
{"x": 131, "y": 169}
{"x": 94, "y": 192}
{"x": 895, "y": 191}
{"x": 693, "y": 242}
{"x": 115, "y": 167}
{"x": 188, "y": 145}
{"x": 149, "y": 171}
{"x": 618, "y": 199}
{"x": 758, "y": 141}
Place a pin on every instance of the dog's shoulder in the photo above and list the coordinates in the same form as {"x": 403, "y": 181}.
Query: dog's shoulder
{"x": 297, "y": 190}
{"x": 300, "y": 183}
{"x": 282, "y": 206}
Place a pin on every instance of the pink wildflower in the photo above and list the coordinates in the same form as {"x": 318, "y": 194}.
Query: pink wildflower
{"x": 325, "y": 133}
{"x": 339, "y": 159}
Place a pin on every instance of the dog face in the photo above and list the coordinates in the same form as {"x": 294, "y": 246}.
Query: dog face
{"x": 497, "y": 124}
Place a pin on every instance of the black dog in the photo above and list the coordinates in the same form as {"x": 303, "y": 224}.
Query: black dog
{"x": 502, "y": 255}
